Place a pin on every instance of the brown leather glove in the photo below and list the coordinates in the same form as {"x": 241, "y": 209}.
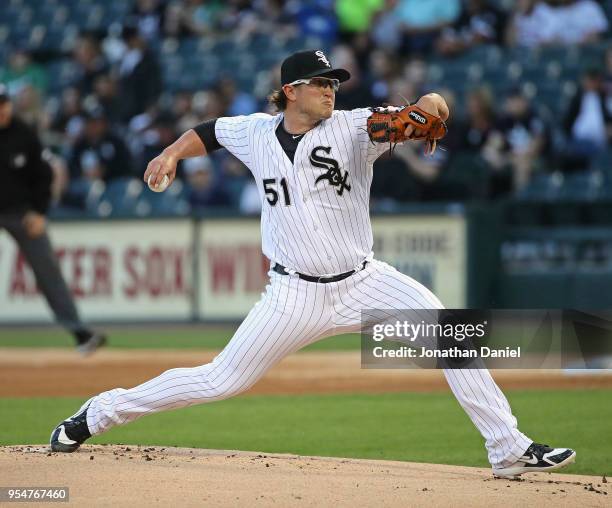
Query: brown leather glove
{"x": 388, "y": 125}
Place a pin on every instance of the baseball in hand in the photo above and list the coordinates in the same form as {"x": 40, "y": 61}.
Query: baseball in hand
{"x": 161, "y": 187}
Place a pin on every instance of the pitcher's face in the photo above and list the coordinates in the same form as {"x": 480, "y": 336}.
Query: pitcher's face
{"x": 315, "y": 96}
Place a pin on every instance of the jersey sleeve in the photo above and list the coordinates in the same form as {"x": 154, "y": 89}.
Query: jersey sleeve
{"x": 233, "y": 133}
{"x": 370, "y": 150}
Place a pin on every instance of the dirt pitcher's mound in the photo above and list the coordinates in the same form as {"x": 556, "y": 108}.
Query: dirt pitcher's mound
{"x": 139, "y": 476}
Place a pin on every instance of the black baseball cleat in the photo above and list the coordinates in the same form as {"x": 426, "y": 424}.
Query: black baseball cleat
{"x": 72, "y": 432}
{"x": 538, "y": 458}
{"x": 89, "y": 346}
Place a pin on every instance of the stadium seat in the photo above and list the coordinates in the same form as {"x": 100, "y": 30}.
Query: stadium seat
{"x": 582, "y": 186}
{"x": 121, "y": 195}
{"x": 542, "y": 187}
{"x": 563, "y": 213}
{"x": 465, "y": 176}
{"x": 599, "y": 212}
{"x": 172, "y": 202}
{"x": 60, "y": 75}
{"x": 603, "y": 162}
{"x": 83, "y": 195}
{"x": 524, "y": 213}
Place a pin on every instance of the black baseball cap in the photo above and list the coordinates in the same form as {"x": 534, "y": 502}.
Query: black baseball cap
{"x": 4, "y": 93}
{"x": 308, "y": 64}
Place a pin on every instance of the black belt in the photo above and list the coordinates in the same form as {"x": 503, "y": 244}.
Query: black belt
{"x": 310, "y": 278}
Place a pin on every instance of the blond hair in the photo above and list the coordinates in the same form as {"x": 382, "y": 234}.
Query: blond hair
{"x": 278, "y": 99}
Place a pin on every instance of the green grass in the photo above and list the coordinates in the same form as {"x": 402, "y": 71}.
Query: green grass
{"x": 411, "y": 426}
{"x": 163, "y": 337}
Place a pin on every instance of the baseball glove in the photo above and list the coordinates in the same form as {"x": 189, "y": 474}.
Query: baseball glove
{"x": 388, "y": 125}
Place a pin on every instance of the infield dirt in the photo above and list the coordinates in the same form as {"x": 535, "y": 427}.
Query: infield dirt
{"x": 138, "y": 476}
{"x": 51, "y": 372}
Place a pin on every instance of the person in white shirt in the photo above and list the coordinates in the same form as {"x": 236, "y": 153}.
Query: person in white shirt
{"x": 588, "y": 122}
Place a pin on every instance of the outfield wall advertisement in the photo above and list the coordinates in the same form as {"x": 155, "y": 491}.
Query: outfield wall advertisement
{"x": 233, "y": 271}
{"x": 144, "y": 270}
{"x": 118, "y": 270}
{"x": 431, "y": 248}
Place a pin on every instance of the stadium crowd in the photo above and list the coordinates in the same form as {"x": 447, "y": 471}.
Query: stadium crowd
{"x": 118, "y": 108}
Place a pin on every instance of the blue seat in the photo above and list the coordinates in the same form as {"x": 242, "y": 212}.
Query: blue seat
{"x": 542, "y": 187}
{"x": 121, "y": 194}
{"x": 60, "y": 74}
{"x": 582, "y": 186}
{"x": 172, "y": 202}
{"x": 603, "y": 162}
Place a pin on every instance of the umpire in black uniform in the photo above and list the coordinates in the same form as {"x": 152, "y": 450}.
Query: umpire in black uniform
{"x": 24, "y": 198}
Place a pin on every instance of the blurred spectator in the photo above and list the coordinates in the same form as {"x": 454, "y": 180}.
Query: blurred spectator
{"x": 562, "y": 22}
{"x": 192, "y": 17}
{"x": 400, "y": 89}
{"x": 197, "y": 108}
{"x": 608, "y": 88}
{"x": 271, "y": 16}
{"x": 387, "y": 27}
{"x": 528, "y": 23}
{"x": 113, "y": 45}
{"x": 608, "y": 77}
{"x": 68, "y": 121}
{"x": 315, "y": 19}
{"x": 355, "y": 93}
{"x": 139, "y": 75}
{"x": 99, "y": 154}
{"x": 175, "y": 24}
{"x": 585, "y": 19}
{"x": 106, "y": 91}
{"x": 22, "y": 72}
{"x": 516, "y": 145}
{"x": 383, "y": 70}
{"x": 407, "y": 174}
{"x": 181, "y": 109}
{"x": 90, "y": 63}
{"x": 208, "y": 104}
{"x": 204, "y": 189}
{"x": 588, "y": 122}
{"x": 237, "y": 179}
{"x": 29, "y": 103}
{"x": 181, "y": 103}
{"x": 240, "y": 18}
{"x": 393, "y": 183}
{"x": 235, "y": 102}
{"x": 154, "y": 139}
{"x": 474, "y": 131}
{"x": 356, "y": 16}
{"x": 250, "y": 202}
{"x": 148, "y": 15}
{"x": 480, "y": 22}
{"x": 415, "y": 73}
{"x": 422, "y": 21}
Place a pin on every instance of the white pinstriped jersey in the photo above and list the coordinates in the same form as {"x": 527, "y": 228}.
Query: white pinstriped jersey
{"x": 315, "y": 215}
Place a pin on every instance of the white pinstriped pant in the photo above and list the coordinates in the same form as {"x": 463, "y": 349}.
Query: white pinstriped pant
{"x": 291, "y": 314}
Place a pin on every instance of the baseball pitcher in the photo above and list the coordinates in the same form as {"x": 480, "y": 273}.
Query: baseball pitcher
{"x": 313, "y": 168}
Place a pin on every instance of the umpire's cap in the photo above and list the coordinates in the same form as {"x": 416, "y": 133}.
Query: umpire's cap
{"x": 308, "y": 64}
